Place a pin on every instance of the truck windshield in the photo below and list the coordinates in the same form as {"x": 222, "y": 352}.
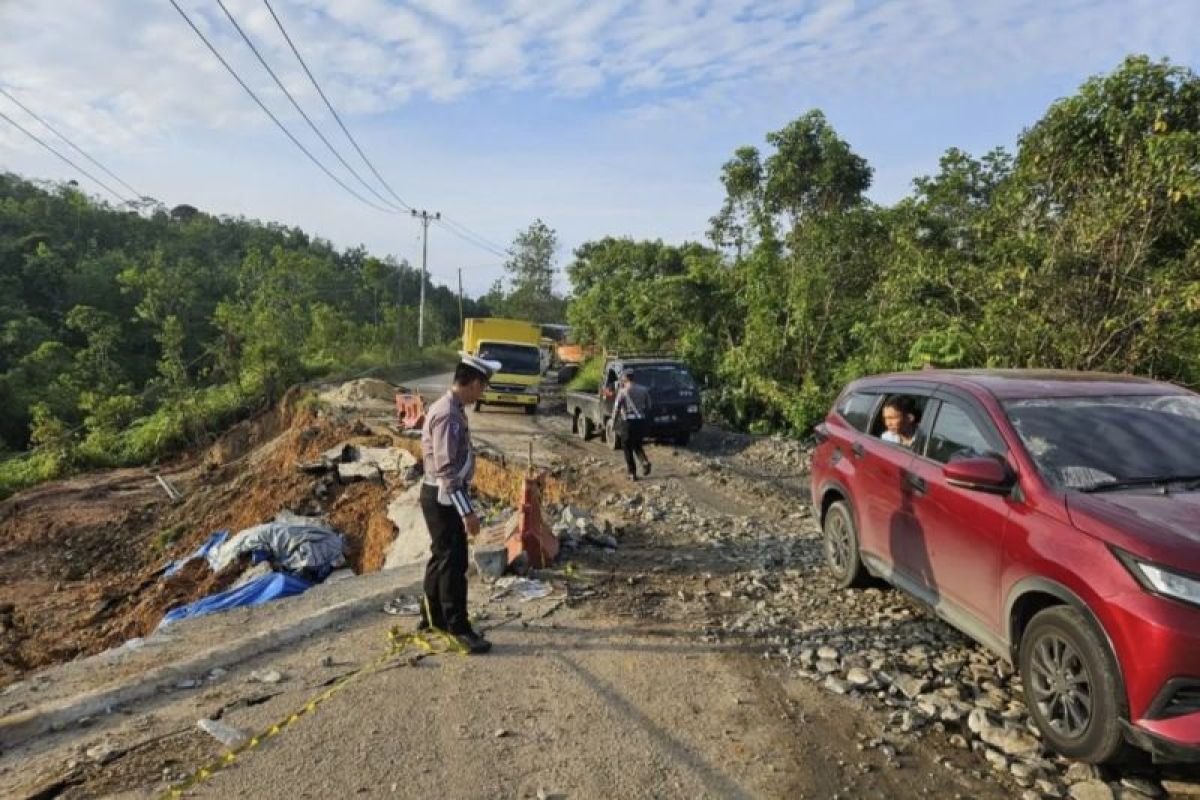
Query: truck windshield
{"x": 1089, "y": 443}
{"x": 515, "y": 359}
{"x": 664, "y": 379}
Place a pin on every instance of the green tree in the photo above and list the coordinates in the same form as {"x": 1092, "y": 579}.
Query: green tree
{"x": 530, "y": 270}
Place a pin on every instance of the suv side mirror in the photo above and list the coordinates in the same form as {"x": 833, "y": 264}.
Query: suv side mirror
{"x": 981, "y": 474}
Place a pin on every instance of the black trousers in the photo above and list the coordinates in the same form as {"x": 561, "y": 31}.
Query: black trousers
{"x": 446, "y": 572}
{"x": 633, "y": 432}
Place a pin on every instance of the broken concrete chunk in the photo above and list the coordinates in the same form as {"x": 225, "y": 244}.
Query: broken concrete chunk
{"x": 411, "y": 545}
{"x": 342, "y": 454}
{"x": 490, "y": 560}
{"x": 318, "y": 467}
{"x": 359, "y": 471}
{"x": 102, "y": 753}
{"x": 266, "y": 676}
{"x": 388, "y": 459}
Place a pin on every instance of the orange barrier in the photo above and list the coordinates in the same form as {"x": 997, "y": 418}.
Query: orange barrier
{"x": 532, "y": 535}
{"x": 410, "y": 410}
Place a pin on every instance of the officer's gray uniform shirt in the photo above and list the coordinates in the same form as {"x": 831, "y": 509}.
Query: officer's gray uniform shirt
{"x": 633, "y": 402}
{"x": 446, "y": 451}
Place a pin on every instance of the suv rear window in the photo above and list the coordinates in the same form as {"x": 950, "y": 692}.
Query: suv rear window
{"x": 856, "y": 409}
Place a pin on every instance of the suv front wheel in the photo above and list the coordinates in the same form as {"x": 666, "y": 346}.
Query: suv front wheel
{"x": 1071, "y": 685}
{"x": 841, "y": 547}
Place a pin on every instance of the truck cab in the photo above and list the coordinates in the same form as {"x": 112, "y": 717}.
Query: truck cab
{"x": 515, "y": 344}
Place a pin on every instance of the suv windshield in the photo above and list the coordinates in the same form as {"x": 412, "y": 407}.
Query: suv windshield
{"x": 515, "y": 359}
{"x": 664, "y": 379}
{"x": 1090, "y": 443}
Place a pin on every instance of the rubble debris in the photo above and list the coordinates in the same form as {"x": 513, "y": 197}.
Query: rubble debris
{"x": 102, "y": 753}
{"x": 387, "y": 459}
{"x": 270, "y": 676}
{"x": 359, "y": 471}
{"x": 490, "y": 559}
{"x": 227, "y": 735}
{"x": 525, "y": 589}
{"x": 402, "y": 606}
{"x": 576, "y": 527}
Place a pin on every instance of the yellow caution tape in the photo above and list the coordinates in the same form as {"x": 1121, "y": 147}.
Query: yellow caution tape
{"x": 432, "y": 642}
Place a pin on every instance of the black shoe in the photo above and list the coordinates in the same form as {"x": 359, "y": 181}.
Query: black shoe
{"x": 424, "y": 625}
{"x": 475, "y": 644}
{"x": 646, "y": 468}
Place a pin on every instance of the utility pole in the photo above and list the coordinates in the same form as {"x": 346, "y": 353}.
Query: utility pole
{"x": 424, "y": 216}
{"x": 460, "y": 303}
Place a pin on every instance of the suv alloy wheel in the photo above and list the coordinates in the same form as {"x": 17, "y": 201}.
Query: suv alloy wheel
{"x": 841, "y": 547}
{"x": 1071, "y": 685}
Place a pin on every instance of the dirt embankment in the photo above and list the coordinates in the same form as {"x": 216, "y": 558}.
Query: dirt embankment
{"x": 80, "y": 558}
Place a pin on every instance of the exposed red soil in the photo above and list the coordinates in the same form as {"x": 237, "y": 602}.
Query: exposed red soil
{"x": 80, "y": 558}
{"x": 360, "y": 512}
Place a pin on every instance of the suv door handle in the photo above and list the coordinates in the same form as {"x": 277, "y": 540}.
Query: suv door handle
{"x": 916, "y": 482}
{"x": 858, "y": 450}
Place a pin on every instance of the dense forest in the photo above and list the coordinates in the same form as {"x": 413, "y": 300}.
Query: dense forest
{"x": 1081, "y": 251}
{"x": 125, "y": 335}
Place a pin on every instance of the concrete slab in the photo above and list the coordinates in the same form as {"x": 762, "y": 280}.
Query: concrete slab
{"x": 66, "y": 693}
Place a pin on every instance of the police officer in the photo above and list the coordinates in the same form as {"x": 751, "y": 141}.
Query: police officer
{"x": 449, "y": 467}
{"x": 632, "y": 408}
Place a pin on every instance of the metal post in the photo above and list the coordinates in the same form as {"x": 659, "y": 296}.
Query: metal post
{"x": 424, "y": 216}
{"x": 460, "y": 299}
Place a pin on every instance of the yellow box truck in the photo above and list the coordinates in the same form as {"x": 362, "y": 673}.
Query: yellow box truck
{"x": 515, "y": 344}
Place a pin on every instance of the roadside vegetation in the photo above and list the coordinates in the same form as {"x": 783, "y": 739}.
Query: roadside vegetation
{"x": 125, "y": 337}
{"x": 1081, "y": 251}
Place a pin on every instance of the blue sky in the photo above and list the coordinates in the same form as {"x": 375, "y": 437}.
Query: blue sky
{"x": 603, "y": 117}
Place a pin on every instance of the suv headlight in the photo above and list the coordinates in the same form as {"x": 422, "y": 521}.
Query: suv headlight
{"x": 1161, "y": 580}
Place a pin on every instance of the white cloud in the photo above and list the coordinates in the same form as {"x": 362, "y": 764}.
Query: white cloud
{"x": 133, "y": 69}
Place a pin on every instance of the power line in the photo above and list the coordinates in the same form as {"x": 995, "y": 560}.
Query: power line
{"x": 470, "y": 238}
{"x": 455, "y": 228}
{"x": 71, "y": 144}
{"x": 332, "y": 110}
{"x": 250, "y": 43}
{"x": 483, "y": 239}
{"x": 268, "y": 112}
{"x": 75, "y": 166}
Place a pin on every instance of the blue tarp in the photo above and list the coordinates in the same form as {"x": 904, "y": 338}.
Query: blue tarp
{"x": 253, "y": 593}
{"x": 216, "y": 540}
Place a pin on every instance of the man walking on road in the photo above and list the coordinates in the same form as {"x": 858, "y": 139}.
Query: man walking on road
{"x": 632, "y": 407}
{"x": 449, "y": 468}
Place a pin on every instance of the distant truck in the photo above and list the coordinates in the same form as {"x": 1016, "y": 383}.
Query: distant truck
{"x": 515, "y": 344}
{"x": 674, "y": 401}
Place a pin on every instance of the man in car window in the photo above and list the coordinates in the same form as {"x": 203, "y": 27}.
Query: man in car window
{"x": 899, "y": 420}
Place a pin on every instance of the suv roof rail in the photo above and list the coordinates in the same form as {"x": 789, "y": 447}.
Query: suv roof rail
{"x": 621, "y": 355}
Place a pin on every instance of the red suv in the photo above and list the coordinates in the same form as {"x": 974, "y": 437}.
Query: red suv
{"x": 1052, "y": 516}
